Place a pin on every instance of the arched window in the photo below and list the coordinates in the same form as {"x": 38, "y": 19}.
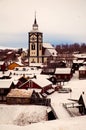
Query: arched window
{"x": 33, "y": 46}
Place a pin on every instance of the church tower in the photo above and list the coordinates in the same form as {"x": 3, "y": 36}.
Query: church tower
{"x": 35, "y": 44}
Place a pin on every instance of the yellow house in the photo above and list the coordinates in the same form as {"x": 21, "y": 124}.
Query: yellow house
{"x": 13, "y": 65}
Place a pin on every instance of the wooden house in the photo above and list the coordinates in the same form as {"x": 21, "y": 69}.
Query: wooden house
{"x": 12, "y": 65}
{"x": 82, "y": 72}
{"x": 19, "y": 96}
{"x": 37, "y": 83}
{"x": 77, "y": 64}
{"x": 3, "y": 66}
{"x": 5, "y": 87}
{"x": 21, "y": 80}
{"x": 56, "y": 64}
{"x": 48, "y": 71}
{"x": 22, "y": 96}
{"x": 81, "y": 56}
{"x": 82, "y": 102}
{"x": 63, "y": 74}
{"x": 41, "y": 83}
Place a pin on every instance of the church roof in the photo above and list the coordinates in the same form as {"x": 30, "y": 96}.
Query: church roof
{"x": 47, "y": 45}
{"x": 49, "y": 49}
{"x": 50, "y": 52}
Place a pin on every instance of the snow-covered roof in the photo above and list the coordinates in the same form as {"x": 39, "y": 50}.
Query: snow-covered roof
{"x": 50, "y": 52}
{"x": 20, "y": 93}
{"x": 79, "y": 55}
{"x": 78, "y": 61}
{"x": 5, "y": 83}
{"x": 84, "y": 63}
{"x": 19, "y": 61}
{"x": 1, "y": 62}
{"x": 36, "y": 64}
{"x": 42, "y": 82}
{"x": 9, "y": 52}
{"x": 47, "y": 45}
{"x": 7, "y": 73}
{"x": 27, "y": 71}
{"x": 82, "y": 68}
{"x": 63, "y": 71}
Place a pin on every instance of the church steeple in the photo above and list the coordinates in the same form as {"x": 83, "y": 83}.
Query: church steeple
{"x": 35, "y": 25}
{"x": 35, "y": 44}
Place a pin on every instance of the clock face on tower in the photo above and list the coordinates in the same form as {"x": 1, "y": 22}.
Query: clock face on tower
{"x": 33, "y": 38}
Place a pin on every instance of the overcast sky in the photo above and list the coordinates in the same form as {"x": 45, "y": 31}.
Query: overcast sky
{"x": 61, "y": 21}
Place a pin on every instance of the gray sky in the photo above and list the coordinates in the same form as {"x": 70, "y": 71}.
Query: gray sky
{"x": 59, "y": 20}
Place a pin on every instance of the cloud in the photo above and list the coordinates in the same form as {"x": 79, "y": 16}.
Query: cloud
{"x": 56, "y": 17}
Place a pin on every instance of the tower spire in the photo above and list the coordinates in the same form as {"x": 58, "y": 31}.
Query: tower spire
{"x": 35, "y": 25}
{"x": 35, "y": 22}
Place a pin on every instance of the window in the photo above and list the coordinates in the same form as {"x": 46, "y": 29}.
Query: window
{"x": 59, "y": 76}
{"x": 65, "y": 76}
{"x": 82, "y": 72}
{"x": 40, "y": 47}
{"x": 33, "y": 46}
{"x": 33, "y": 61}
{"x": 1, "y": 91}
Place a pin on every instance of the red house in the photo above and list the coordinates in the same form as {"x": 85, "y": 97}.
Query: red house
{"x": 40, "y": 83}
{"x": 37, "y": 83}
{"x": 64, "y": 74}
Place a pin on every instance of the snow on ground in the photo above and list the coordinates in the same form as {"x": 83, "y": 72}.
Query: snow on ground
{"x": 65, "y": 122}
{"x": 77, "y": 123}
{"x": 22, "y": 115}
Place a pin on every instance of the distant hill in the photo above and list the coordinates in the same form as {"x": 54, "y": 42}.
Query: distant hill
{"x": 5, "y": 47}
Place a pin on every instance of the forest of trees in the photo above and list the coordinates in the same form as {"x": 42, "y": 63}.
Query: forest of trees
{"x": 71, "y": 48}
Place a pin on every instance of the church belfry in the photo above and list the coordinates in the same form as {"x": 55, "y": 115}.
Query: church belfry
{"x": 35, "y": 44}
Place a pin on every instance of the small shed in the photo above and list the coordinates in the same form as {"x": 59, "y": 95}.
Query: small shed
{"x": 5, "y": 87}
{"x": 19, "y": 96}
{"x": 77, "y": 64}
{"x": 63, "y": 74}
{"x": 82, "y": 72}
{"x": 82, "y": 102}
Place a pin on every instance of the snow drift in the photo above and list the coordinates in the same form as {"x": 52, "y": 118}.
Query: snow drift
{"x": 22, "y": 115}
